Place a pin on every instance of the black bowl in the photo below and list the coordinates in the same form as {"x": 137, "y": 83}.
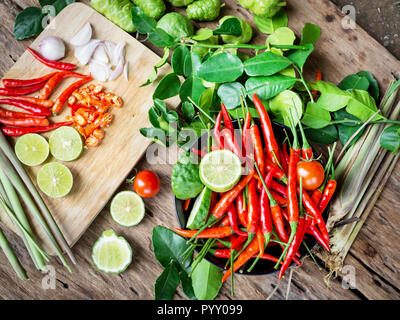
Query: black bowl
{"x": 263, "y": 266}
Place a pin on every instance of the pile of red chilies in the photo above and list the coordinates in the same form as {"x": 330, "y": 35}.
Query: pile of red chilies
{"x": 38, "y": 109}
{"x": 272, "y": 214}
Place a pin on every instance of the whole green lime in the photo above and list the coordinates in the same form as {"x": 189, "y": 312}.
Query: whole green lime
{"x": 247, "y": 32}
{"x": 176, "y": 25}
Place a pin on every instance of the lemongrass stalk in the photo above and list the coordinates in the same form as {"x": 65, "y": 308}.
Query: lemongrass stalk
{"x": 15, "y": 204}
{"x": 28, "y": 183}
{"x": 14, "y": 219}
{"x": 12, "y": 257}
{"x": 20, "y": 187}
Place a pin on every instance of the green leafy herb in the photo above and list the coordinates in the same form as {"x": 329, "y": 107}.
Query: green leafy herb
{"x": 310, "y": 34}
{"x": 192, "y": 64}
{"x": 354, "y": 81}
{"x": 299, "y": 57}
{"x": 390, "y": 139}
{"x": 316, "y": 117}
{"x": 157, "y": 66}
{"x": 223, "y": 67}
{"x": 192, "y": 87}
{"x": 206, "y": 280}
{"x": 167, "y": 282}
{"x": 324, "y": 136}
{"x": 268, "y": 87}
{"x": 168, "y": 87}
{"x": 28, "y": 23}
{"x": 178, "y": 59}
{"x": 266, "y": 64}
{"x": 230, "y": 26}
{"x": 230, "y": 93}
{"x": 270, "y": 25}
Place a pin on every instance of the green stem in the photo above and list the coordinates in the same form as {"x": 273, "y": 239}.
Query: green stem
{"x": 303, "y": 81}
{"x": 246, "y": 46}
{"x": 4, "y": 244}
{"x": 201, "y": 110}
{"x": 14, "y": 203}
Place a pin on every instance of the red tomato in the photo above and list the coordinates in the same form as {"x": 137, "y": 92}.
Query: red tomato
{"x": 312, "y": 173}
{"x": 146, "y": 184}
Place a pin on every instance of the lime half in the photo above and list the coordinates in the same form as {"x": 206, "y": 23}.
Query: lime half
{"x": 55, "y": 180}
{"x": 111, "y": 254}
{"x": 127, "y": 208}
{"x": 32, "y": 149}
{"x": 220, "y": 170}
{"x": 66, "y": 144}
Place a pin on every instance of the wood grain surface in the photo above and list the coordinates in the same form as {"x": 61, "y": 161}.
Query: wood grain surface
{"x": 123, "y": 144}
{"x": 374, "y": 256}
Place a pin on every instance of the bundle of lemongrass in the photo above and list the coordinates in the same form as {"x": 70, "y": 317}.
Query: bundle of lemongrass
{"x": 359, "y": 183}
{"x": 15, "y": 185}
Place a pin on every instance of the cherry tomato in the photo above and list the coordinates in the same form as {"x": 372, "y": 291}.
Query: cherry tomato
{"x": 146, "y": 184}
{"x": 312, "y": 173}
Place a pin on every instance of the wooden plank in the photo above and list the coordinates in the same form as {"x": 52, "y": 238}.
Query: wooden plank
{"x": 123, "y": 145}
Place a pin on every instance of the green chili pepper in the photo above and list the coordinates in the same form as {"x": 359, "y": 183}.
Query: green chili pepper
{"x": 247, "y": 32}
{"x": 117, "y": 11}
{"x": 180, "y": 3}
{"x": 263, "y": 8}
{"x": 204, "y": 10}
{"x": 152, "y": 8}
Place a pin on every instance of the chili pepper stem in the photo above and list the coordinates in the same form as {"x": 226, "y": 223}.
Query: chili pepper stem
{"x": 267, "y": 237}
{"x": 293, "y": 227}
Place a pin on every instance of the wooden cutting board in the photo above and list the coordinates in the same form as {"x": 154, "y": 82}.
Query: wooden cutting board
{"x": 99, "y": 171}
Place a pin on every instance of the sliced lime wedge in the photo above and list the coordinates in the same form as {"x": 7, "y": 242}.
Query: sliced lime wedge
{"x": 127, "y": 208}
{"x": 111, "y": 254}
{"x": 66, "y": 144}
{"x": 220, "y": 170}
{"x": 55, "y": 180}
{"x": 32, "y": 149}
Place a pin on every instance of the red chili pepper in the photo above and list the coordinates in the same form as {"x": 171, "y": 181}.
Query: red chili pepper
{"x": 230, "y": 142}
{"x": 15, "y": 132}
{"x": 269, "y": 136}
{"x": 75, "y": 108}
{"x": 246, "y": 127}
{"x": 55, "y": 80}
{"x": 276, "y": 215}
{"x": 226, "y": 254}
{"x": 25, "y": 122}
{"x": 258, "y": 148}
{"x": 293, "y": 205}
{"x": 232, "y": 216}
{"x": 251, "y": 250}
{"x": 199, "y": 152}
{"x": 316, "y": 196}
{"x": 187, "y": 204}
{"x": 215, "y": 233}
{"x": 284, "y": 160}
{"x": 21, "y": 91}
{"x": 17, "y": 83}
{"x": 312, "y": 209}
{"x": 34, "y": 109}
{"x": 225, "y": 202}
{"x": 62, "y": 98}
{"x": 327, "y": 195}
{"x": 293, "y": 247}
{"x": 282, "y": 190}
{"x": 225, "y": 222}
{"x": 279, "y": 173}
{"x": 217, "y": 131}
{"x": 13, "y": 114}
{"x": 236, "y": 244}
{"x": 253, "y": 215}
{"x": 318, "y": 78}
{"x": 227, "y": 119}
{"x": 241, "y": 209}
{"x": 265, "y": 212}
{"x": 36, "y": 101}
{"x": 317, "y": 235}
{"x": 52, "y": 64}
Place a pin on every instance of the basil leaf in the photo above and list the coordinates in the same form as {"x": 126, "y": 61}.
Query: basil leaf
{"x": 28, "y": 23}
{"x": 390, "y": 139}
{"x": 354, "y": 82}
{"x": 187, "y": 287}
{"x": 230, "y": 26}
{"x": 230, "y": 94}
{"x": 220, "y": 68}
{"x": 206, "y": 280}
{"x": 332, "y": 98}
{"x": 310, "y": 34}
{"x": 178, "y": 59}
{"x": 299, "y": 57}
{"x": 168, "y": 87}
{"x": 169, "y": 246}
{"x": 192, "y": 64}
{"x": 373, "y": 84}
{"x": 316, "y": 117}
{"x": 268, "y": 87}
{"x": 362, "y": 105}
{"x": 325, "y": 135}
{"x": 192, "y": 87}
{"x": 166, "y": 283}
{"x": 266, "y": 64}
{"x": 270, "y": 25}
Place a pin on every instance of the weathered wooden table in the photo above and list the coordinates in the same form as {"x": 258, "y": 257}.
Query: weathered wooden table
{"x": 375, "y": 255}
